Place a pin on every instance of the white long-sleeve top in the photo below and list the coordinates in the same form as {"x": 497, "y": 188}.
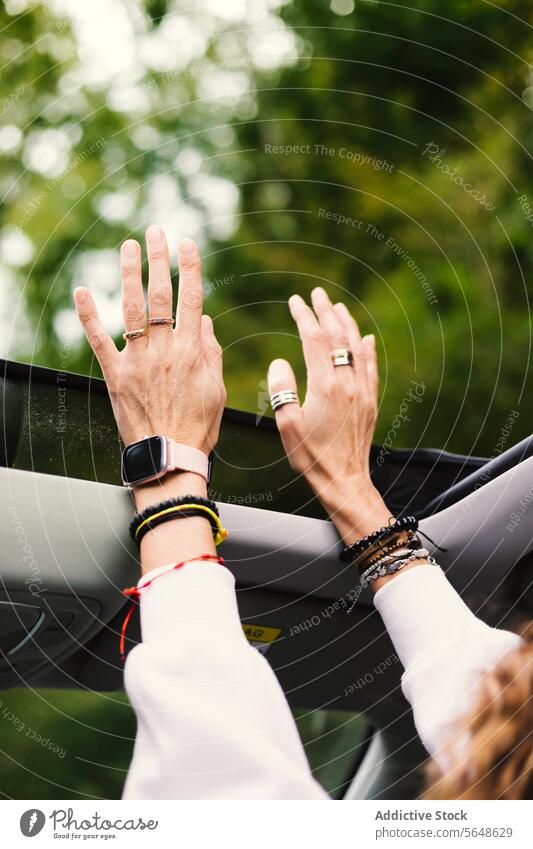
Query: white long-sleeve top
{"x": 444, "y": 650}
{"x": 212, "y": 720}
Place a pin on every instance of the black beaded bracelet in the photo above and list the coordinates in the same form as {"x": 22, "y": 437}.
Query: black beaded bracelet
{"x": 182, "y": 513}
{"x": 379, "y": 549}
{"x": 408, "y": 523}
{"x": 139, "y": 518}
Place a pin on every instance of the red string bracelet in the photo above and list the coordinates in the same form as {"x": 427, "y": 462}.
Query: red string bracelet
{"x": 135, "y": 592}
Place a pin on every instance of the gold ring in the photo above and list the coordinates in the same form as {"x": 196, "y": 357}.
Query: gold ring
{"x": 135, "y": 334}
{"x": 342, "y": 357}
{"x": 160, "y": 321}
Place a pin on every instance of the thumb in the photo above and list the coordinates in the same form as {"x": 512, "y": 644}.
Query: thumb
{"x": 210, "y": 345}
{"x": 281, "y": 377}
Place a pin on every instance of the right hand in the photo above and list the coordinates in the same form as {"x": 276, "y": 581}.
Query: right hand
{"x": 169, "y": 382}
{"x": 328, "y": 438}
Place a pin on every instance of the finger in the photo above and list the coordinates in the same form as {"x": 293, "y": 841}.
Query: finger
{"x": 314, "y": 343}
{"x": 191, "y": 293}
{"x": 210, "y": 345}
{"x": 370, "y": 384}
{"x": 159, "y": 282}
{"x": 133, "y": 306}
{"x": 354, "y": 343}
{"x": 280, "y": 377}
{"x": 97, "y": 337}
{"x": 350, "y": 326}
{"x": 329, "y": 319}
{"x": 371, "y": 360}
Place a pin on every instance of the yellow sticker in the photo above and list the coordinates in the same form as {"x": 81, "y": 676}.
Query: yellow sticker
{"x": 261, "y": 633}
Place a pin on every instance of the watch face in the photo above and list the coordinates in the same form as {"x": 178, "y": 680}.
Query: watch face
{"x": 143, "y": 459}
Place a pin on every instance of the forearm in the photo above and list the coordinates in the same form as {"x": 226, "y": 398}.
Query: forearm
{"x": 180, "y": 539}
{"x": 443, "y": 647}
{"x": 356, "y": 508}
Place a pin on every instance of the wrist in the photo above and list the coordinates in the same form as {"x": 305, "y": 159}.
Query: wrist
{"x": 386, "y": 579}
{"x": 181, "y": 539}
{"x": 355, "y": 507}
{"x": 171, "y": 485}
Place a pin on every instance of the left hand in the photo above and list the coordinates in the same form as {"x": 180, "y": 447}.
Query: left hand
{"x": 328, "y": 438}
{"x": 169, "y": 382}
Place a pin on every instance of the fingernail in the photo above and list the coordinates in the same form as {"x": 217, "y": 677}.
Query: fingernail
{"x": 276, "y": 364}
{"x": 130, "y": 248}
{"x": 79, "y": 294}
{"x": 187, "y": 247}
{"x": 154, "y": 234}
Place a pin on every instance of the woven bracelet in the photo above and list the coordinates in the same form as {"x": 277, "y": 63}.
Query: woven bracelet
{"x": 377, "y": 550}
{"x": 389, "y": 565}
{"x": 134, "y": 593}
{"x": 349, "y": 554}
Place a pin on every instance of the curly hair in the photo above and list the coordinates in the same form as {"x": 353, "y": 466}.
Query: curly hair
{"x": 496, "y": 762}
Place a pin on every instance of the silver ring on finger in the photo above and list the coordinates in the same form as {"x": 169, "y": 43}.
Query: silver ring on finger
{"x": 284, "y": 396}
{"x": 342, "y": 357}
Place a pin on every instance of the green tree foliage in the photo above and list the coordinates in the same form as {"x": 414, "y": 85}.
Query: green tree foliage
{"x": 326, "y": 140}
{"x": 358, "y": 113}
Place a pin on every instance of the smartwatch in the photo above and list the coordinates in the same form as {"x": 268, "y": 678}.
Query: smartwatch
{"x": 155, "y": 456}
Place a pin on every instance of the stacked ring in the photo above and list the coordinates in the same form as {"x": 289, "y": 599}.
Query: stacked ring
{"x": 161, "y": 320}
{"x": 284, "y": 396}
{"x": 135, "y": 334}
{"x": 342, "y": 357}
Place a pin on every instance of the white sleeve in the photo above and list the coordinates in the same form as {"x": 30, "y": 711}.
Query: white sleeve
{"x": 212, "y": 719}
{"x": 443, "y": 648}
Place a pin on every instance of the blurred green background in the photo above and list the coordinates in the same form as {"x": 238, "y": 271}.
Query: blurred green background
{"x": 381, "y": 150}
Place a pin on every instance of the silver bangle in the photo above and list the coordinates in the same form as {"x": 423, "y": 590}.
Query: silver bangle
{"x": 390, "y": 564}
{"x": 386, "y": 559}
{"x": 396, "y": 565}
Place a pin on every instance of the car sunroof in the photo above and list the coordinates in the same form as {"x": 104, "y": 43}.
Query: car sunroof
{"x": 59, "y": 423}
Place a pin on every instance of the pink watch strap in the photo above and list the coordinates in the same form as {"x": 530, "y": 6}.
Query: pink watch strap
{"x": 187, "y": 459}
